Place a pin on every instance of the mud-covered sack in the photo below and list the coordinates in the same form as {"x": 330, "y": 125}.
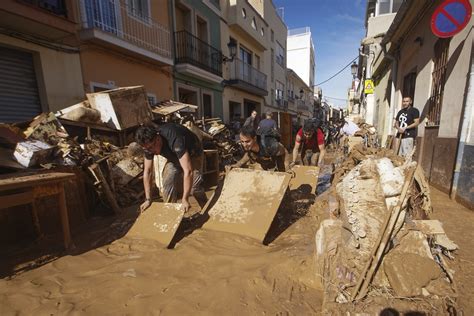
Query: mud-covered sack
{"x": 391, "y": 178}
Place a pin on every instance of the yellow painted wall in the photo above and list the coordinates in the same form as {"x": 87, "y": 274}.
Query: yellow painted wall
{"x": 101, "y": 66}
{"x": 60, "y": 79}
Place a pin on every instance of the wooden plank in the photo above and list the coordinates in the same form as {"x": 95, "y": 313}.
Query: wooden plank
{"x": 65, "y": 220}
{"x": 17, "y": 180}
{"x": 364, "y": 280}
{"x": 12, "y": 200}
{"x": 159, "y": 222}
{"x": 248, "y": 202}
{"x": 95, "y": 170}
{"x": 305, "y": 176}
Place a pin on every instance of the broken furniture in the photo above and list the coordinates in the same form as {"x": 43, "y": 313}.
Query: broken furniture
{"x": 21, "y": 189}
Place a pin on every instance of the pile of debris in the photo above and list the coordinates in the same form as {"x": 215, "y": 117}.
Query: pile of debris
{"x": 96, "y": 137}
{"x": 379, "y": 244}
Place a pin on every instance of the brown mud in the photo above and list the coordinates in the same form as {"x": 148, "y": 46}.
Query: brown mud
{"x": 207, "y": 272}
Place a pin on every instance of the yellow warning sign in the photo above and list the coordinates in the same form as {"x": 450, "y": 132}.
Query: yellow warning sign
{"x": 368, "y": 86}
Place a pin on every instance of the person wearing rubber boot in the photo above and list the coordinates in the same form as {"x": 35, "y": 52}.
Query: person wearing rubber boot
{"x": 311, "y": 141}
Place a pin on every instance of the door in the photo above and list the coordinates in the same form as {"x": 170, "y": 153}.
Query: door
{"x": 207, "y": 105}
{"x": 103, "y": 15}
{"x": 246, "y": 58}
{"x": 19, "y": 95}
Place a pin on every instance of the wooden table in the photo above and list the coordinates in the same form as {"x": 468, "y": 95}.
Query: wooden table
{"x": 20, "y": 189}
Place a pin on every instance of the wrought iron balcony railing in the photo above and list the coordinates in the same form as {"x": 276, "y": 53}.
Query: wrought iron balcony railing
{"x": 194, "y": 51}
{"x": 240, "y": 70}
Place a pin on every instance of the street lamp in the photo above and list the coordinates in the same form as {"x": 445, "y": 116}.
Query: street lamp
{"x": 232, "y": 45}
{"x": 354, "y": 68}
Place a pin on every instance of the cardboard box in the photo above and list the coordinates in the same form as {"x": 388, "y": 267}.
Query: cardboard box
{"x": 122, "y": 108}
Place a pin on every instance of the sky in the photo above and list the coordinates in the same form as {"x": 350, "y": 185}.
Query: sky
{"x": 337, "y": 28}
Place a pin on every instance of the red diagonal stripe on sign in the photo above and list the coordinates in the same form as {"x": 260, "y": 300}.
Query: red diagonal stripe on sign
{"x": 450, "y": 18}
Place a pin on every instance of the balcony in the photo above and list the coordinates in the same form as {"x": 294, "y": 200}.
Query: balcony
{"x": 51, "y": 20}
{"x": 247, "y": 22}
{"x": 245, "y": 77}
{"x": 193, "y": 55}
{"x": 114, "y": 24}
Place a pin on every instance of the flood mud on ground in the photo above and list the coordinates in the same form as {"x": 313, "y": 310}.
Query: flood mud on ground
{"x": 207, "y": 272}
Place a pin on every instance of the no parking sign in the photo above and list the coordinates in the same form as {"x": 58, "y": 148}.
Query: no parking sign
{"x": 451, "y": 17}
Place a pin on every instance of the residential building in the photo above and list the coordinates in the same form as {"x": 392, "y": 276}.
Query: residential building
{"x": 127, "y": 42}
{"x": 437, "y": 73}
{"x": 40, "y": 67}
{"x": 300, "y": 51}
{"x": 198, "y": 74}
{"x": 245, "y": 80}
{"x": 300, "y": 98}
{"x": 275, "y": 58}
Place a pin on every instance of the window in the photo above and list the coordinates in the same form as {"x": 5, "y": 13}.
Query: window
{"x": 273, "y": 36}
{"x": 54, "y": 6}
{"x": 438, "y": 78}
{"x": 254, "y": 24}
{"x": 139, "y": 9}
{"x": 245, "y": 56}
{"x": 151, "y": 98}
{"x": 244, "y": 13}
{"x": 388, "y": 6}
{"x": 409, "y": 82}
{"x": 262, "y": 31}
{"x": 201, "y": 29}
{"x": 257, "y": 62}
{"x": 280, "y": 87}
{"x": 280, "y": 55}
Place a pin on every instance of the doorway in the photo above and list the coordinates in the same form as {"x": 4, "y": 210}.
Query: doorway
{"x": 249, "y": 106}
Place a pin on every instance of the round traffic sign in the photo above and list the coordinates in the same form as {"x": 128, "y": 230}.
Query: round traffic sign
{"x": 451, "y": 17}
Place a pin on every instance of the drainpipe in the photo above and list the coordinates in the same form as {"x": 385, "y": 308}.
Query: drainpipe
{"x": 466, "y": 128}
{"x": 394, "y": 73}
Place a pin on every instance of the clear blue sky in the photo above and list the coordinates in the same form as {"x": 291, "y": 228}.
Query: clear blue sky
{"x": 337, "y": 27}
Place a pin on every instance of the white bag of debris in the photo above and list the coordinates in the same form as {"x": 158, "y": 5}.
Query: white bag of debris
{"x": 32, "y": 153}
{"x": 391, "y": 178}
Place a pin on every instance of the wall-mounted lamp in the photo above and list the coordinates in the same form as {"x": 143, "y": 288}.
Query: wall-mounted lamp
{"x": 301, "y": 94}
{"x": 354, "y": 68}
{"x": 232, "y": 45}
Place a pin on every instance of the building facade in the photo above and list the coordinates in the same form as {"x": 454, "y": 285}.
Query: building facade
{"x": 40, "y": 66}
{"x": 301, "y": 57}
{"x": 437, "y": 74}
{"x": 126, "y": 43}
{"x": 198, "y": 57}
{"x": 300, "y": 98}
{"x": 245, "y": 82}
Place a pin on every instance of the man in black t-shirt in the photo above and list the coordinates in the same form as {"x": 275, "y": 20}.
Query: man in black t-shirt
{"x": 181, "y": 174}
{"x": 264, "y": 150}
{"x": 406, "y": 123}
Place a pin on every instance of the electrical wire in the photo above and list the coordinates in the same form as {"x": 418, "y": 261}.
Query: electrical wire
{"x": 350, "y": 63}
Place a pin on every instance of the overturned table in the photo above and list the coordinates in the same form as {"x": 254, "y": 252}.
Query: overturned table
{"x": 20, "y": 189}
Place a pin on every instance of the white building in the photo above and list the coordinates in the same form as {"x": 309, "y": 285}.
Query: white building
{"x": 300, "y": 54}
